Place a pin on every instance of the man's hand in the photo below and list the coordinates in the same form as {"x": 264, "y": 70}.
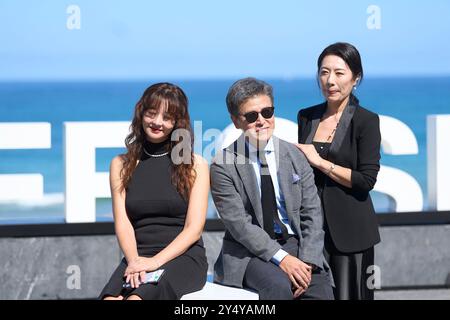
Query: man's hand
{"x": 298, "y": 272}
{"x": 298, "y": 292}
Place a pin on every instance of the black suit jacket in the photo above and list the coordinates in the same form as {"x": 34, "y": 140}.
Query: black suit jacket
{"x": 350, "y": 215}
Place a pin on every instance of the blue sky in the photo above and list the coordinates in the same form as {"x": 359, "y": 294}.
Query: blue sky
{"x": 217, "y": 39}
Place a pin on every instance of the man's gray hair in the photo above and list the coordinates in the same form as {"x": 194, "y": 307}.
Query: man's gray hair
{"x": 244, "y": 89}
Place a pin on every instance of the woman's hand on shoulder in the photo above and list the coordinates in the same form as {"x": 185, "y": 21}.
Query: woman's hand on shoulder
{"x": 310, "y": 153}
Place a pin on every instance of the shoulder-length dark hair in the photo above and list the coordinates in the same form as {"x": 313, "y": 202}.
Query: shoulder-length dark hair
{"x": 350, "y": 55}
{"x": 169, "y": 96}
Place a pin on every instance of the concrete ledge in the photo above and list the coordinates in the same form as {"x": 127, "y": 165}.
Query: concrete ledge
{"x": 77, "y": 267}
{"x": 56, "y": 267}
{"x": 213, "y": 291}
{"x": 414, "y": 256}
{"x": 423, "y": 294}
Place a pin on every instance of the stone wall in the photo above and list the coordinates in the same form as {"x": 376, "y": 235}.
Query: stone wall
{"x": 77, "y": 267}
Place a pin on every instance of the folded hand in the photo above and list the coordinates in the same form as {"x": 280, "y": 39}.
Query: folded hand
{"x": 137, "y": 268}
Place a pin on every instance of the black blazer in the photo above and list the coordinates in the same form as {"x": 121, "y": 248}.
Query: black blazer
{"x": 350, "y": 215}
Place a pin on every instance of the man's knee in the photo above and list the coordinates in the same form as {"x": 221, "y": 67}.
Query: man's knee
{"x": 319, "y": 289}
{"x": 277, "y": 289}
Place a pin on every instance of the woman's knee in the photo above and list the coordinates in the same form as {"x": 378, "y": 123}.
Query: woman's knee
{"x": 134, "y": 297}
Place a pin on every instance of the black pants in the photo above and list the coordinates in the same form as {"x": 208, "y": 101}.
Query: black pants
{"x": 351, "y": 273}
{"x": 272, "y": 283}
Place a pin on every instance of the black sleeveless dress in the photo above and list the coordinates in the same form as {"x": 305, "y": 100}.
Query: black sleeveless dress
{"x": 158, "y": 212}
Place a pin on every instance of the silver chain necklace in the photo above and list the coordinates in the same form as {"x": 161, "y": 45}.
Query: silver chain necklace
{"x": 335, "y": 128}
{"x": 155, "y": 155}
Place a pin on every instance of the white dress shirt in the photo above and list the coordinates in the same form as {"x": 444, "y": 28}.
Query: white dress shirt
{"x": 281, "y": 205}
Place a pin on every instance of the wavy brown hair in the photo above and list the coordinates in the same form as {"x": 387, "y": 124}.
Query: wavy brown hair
{"x": 161, "y": 95}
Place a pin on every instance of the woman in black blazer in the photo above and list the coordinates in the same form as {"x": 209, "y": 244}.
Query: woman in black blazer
{"x": 341, "y": 141}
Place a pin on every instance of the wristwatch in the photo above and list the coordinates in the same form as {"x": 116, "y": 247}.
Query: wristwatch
{"x": 331, "y": 168}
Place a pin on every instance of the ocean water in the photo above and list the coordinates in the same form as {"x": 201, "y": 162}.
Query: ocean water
{"x": 407, "y": 99}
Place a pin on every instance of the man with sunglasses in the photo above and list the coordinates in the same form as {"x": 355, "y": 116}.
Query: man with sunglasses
{"x": 264, "y": 192}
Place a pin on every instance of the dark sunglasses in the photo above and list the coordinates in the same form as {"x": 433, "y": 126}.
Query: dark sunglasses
{"x": 252, "y": 116}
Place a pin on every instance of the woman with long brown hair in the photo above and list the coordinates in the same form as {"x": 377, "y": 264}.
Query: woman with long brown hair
{"x": 159, "y": 191}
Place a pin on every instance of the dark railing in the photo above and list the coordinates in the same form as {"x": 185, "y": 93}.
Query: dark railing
{"x": 107, "y": 228}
